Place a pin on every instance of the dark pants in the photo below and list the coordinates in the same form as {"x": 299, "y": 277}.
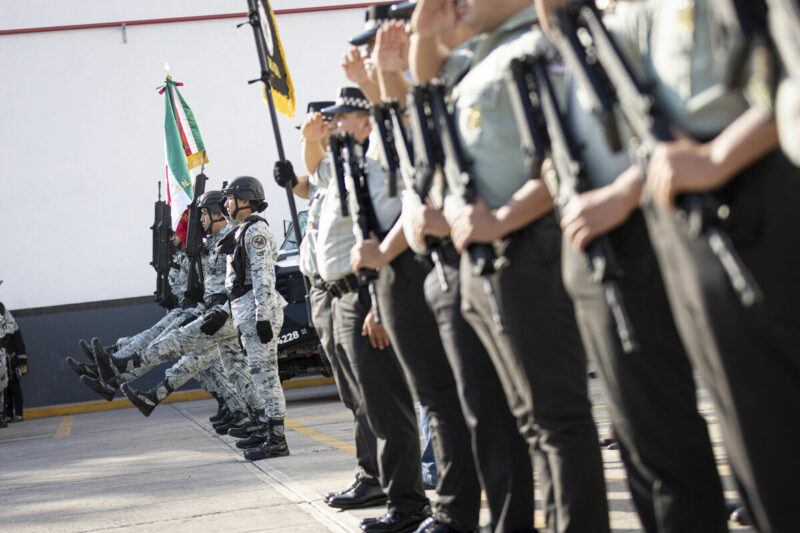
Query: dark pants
{"x": 386, "y": 401}
{"x": 366, "y": 443}
{"x": 414, "y": 335}
{"x": 651, "y": 393}
{"x": 542, "y": 365}
{"x": 501, "y": 454}
{"x": 13, "y": 396}
{"x": 750, "y": 358}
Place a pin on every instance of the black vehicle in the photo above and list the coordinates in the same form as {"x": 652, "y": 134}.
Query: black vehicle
{"x": 298, "y": 343}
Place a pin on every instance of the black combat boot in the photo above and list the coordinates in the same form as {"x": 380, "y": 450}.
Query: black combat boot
{"x": 146, "y": 401}
{"x": 221, "y": 408}
{"x": 274, "y": 446}
{"x": 104, "y": 389}
{"x": 235, "y": 420}
{"x": 86, "y": 349}
{"x": 252, "y": 425}
{"x": 111, "y": 367}
{"x": 83, "y": 369}
{"x": 259, "y": 430}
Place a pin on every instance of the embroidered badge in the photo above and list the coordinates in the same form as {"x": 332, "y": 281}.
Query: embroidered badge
{"x": 259, "y": 242}
{"x": 474, "y": 117}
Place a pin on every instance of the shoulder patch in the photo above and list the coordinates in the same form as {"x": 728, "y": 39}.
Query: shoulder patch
{"x": 259, "y": 242}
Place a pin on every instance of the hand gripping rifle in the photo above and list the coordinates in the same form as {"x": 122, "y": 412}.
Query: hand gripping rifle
{"x": 351, "y": 177}
{"x": 456, "y": 167}
{"x": 390, "y": 112}
{"x": 596, "y": 56}
{"x": 194, "y": 243}
{"x": 544, "y": 133}
{"x": 163, "y": 251}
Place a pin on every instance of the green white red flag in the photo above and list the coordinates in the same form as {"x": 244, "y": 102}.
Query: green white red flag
{"x": 184, "y": 151}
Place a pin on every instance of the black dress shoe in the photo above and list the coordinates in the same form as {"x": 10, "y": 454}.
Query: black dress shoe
{"x": 432, "y": 525}
{"x": 348, "y": 488}
{"x": 397, "y": 521}
{"x": 363, "y": 494}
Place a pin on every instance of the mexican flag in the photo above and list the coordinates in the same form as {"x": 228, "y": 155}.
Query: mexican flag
{"x": 184, "y": 151}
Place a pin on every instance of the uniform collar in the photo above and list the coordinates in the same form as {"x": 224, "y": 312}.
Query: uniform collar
{"x": 521, "y": 20}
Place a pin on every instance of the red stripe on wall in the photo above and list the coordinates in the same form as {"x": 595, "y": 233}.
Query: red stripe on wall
{"x": 197, "y": 18}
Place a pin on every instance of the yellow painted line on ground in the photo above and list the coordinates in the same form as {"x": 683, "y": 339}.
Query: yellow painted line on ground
{"x": 303, "y": 383}
{"x": 320, "y": 437}
{"x": 32, "y": 437}
{"x": 64, "y": 427}
{"x": 180, "y": 396}
{"x": 318, "y": 417}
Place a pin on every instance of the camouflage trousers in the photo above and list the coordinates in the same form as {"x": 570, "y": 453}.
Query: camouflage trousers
{"x": 228, "y": 374}
{"x": 140, "y": 341}
{"x": 263, "y": 358}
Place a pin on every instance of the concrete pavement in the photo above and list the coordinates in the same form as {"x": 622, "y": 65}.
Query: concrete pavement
{"x": 120, "y": 471}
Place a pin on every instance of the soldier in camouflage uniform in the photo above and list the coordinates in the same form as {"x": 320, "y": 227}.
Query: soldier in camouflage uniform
{"x": 178, "y": 275}
{"x": 198, "y": 342}
{"x": 12, "y": 356}
{"x": 256, "y": 306}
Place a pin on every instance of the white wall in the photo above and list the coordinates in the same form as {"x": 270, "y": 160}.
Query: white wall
{"x": 81, "y": 130}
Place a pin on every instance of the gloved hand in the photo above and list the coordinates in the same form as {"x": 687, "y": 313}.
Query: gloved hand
{"x": 284, "y": 173}
{"x": 264, "y": 330}
{"x": 213, "y": 321}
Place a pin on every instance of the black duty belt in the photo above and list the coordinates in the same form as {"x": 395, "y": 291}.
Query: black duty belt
{"x": 217, "y": 299}
{"x": 342, "y": 286}
{"x": 238, "y": 292}
{"x": 318, "y": 283}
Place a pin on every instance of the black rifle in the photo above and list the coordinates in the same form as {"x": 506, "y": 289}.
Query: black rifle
{"x": 194, "y": 243}
{"x": 596, "y": 56}
{"x": 348, "y": 163}
{"x": 391, "y": 115}
{"x": 163, "y": 251}
{"x": 381, "y": 122}
{"x": 457, "y": 169}
{"x": 544, "y": 133}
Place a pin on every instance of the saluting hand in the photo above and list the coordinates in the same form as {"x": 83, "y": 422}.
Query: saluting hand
{"x": 475, "y": 224}
{"x": 314, "y": 129}
{"x": 354, "y": 66}
{"x": 391, "y": 47}
{"x": 378, "y": 337}
{"x": 432, "y": 17}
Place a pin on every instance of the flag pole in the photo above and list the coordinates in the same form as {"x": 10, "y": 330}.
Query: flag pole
{"x": 258, "y": 32}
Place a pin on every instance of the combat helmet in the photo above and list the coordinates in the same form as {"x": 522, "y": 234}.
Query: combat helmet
{"x": 246, "y": 188}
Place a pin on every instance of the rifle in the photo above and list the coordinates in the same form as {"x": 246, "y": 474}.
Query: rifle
{"x": 543, "y": 132}
{"x": 381, "y": 123}
{"x": 162, "y": 252}
{"x": 456, "y": 167}
{"x": 349, "y": 167}
{"x": 194, "y": 242}
{"x": 596, "y": 56}
{"x": 389, "y": 113}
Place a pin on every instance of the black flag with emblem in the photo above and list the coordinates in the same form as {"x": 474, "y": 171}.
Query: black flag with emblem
{"x": 279, "y": 79}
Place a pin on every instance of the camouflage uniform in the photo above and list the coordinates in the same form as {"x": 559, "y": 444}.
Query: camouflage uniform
{"x": 8, "y": 326}
{"x": 262, "y": 302}
{"x": 216, "y": 359}
{"x": 178, "y": 278}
